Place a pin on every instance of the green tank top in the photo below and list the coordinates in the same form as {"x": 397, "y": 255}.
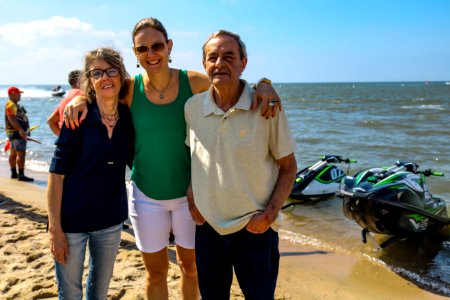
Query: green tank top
{"x": 162, "y": 163}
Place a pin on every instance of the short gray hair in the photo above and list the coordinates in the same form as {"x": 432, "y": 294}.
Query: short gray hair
{"x": 242, "y": 48}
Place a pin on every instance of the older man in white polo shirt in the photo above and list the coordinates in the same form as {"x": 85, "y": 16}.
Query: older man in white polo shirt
{"x": 243, "y": 168}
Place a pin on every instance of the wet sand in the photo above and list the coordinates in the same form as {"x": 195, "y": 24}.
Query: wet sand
{"x": 27, "y": 272}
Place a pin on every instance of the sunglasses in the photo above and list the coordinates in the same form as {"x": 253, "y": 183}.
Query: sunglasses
{"x": 158, "y": 46}
{"x": 97, "y": 73}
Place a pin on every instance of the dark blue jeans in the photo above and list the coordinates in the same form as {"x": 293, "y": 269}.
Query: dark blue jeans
{"x": 254, "y": 257}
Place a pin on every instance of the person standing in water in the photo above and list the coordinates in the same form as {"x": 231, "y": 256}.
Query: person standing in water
{"x": 17, "y": 126}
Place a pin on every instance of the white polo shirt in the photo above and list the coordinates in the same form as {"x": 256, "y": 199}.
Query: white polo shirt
{"x": 234, "y": 153}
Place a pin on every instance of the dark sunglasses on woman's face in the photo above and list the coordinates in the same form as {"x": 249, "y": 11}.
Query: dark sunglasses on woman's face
{"x": 158, "y": 46}
{"x": 97, "y": 73}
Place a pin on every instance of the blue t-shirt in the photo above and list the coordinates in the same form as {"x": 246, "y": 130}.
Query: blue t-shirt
{"x": 94, "y": 194}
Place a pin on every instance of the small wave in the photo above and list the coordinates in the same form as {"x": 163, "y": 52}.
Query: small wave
{"x": 298, "y": 238}
{"x": 429, "y": 106}
{"x": 37, "y": 166}
{"x": 425, "y": 282}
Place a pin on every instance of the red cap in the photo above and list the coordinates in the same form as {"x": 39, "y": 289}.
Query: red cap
{"x": 14, "y": 90}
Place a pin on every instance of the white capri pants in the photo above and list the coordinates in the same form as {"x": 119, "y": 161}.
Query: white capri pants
{"x": 153, "y": 219}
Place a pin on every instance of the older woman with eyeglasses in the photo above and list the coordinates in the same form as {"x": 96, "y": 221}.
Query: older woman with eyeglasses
{"x": 161, "y": 170}
{"x": 87, "y": 201}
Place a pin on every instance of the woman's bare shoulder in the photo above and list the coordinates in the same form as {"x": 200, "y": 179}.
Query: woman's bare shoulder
{"x": 199, "y": 82}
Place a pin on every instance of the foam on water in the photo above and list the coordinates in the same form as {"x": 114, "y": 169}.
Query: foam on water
{"x": 34, "y": 91}
{"x": 421, "y": 280}
{"x": 430, "y": 106}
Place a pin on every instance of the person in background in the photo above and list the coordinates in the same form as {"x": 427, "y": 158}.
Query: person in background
{"x": 243, "y": 169}
{"x": 161, "y": 169}
{"x": 86, "y": 197}
{"x": 56, "y": 119}
{"x": 17, "y": 126}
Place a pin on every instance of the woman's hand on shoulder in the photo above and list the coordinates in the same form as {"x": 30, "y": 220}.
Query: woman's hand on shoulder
{"x": 266, "y": 94}
{"x": 72, "y": 110}
{"x": 199, "y": 82}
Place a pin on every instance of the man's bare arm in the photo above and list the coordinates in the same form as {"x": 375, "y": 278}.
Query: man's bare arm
{"x": 260, "y": 222}
{"x": 53, "y": 122}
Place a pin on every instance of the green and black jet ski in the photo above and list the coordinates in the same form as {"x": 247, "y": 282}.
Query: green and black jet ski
{"x": 318, "y": 181}
{"x": 395, "y": 201}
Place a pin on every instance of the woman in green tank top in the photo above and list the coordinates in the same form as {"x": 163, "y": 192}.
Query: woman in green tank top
{"x": 161, "y": 169}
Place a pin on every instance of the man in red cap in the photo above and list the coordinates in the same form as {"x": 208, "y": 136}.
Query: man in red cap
{"x": 16, "y": 128}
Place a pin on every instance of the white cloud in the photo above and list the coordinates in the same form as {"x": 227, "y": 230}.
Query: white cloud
{"x": 24, "y": 34}
{"x": 43, "y": 51}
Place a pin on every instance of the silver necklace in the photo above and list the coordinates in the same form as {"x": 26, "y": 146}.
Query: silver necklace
{"x": 161, "y": 92}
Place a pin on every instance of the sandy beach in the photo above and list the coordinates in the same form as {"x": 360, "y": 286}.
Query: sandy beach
{"x": 27, "y": 272}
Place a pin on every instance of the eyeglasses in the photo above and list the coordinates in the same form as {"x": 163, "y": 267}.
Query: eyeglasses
{"x": 158, "y": 46}
{"x": 97, "y": 73}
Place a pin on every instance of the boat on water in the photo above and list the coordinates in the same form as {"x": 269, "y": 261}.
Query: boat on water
{"x": 58, "y": 91}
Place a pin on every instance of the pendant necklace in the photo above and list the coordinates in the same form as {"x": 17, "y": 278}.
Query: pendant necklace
{"x": 110, "y": 120}
{"x": 161, "y": 92}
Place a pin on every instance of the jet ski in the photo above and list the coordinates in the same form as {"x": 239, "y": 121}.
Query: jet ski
{"x": 58, "y": 91}
{"x": 318, "y": 181}
{"x": 395, "y": 201}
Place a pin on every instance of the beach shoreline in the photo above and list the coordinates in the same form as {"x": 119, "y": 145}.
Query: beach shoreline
{"x": 306, "y": 272}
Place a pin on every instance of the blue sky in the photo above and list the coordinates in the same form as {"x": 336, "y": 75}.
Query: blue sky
{"x": 287, "y": 41}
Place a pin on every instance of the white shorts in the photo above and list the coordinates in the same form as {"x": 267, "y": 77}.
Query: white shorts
{"x": 152, "y": 221}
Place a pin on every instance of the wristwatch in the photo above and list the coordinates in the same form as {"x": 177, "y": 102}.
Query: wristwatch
{"x": 264, "y": 80}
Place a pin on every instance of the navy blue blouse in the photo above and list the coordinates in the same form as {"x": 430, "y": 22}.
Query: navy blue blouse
{"x": 94, "y": 194}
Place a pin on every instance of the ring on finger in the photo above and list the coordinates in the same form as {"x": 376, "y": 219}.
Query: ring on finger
{"x": 66, "y": 112}
{"x": 272, "y": 102}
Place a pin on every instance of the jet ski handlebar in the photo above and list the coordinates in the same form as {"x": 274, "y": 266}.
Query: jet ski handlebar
{"x": 429, "y": 172}
{"x": 409, "y": 167}
{"x": 337, "y": 159}
{"x": 354, "y": 194}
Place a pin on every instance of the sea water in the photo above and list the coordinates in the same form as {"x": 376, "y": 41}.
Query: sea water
{"x": 374, "y": 123}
